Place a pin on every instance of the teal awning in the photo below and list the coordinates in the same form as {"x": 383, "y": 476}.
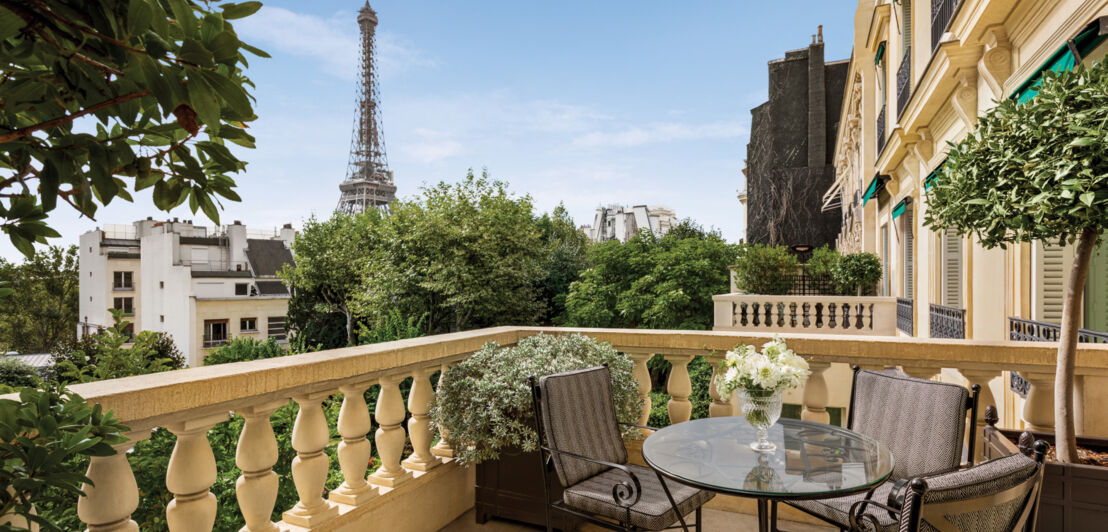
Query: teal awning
{"x": 930, "y": 179}
{"x": 880, "y": 53}
{"x": 1061, "y": 60}
{"x": 871, "y": 190}
{"x": 901, "y": 207}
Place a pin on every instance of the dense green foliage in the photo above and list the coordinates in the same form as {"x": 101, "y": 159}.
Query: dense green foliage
{"x": 41, "y": 311}
{"x": 104, "y": 356}
{"x": 41, "y": 434}
{"x": 651, "y": 282}
{"x": 484, "y": 402}
{"x": 565, "y": 258}
{"x": 823, "y": 261}
{"x": 14, "y": 373}
{"x": 764, "y": 269}
{"x": 105, "y": 97}
{"x": 242, "y": 349}
{"x": 857, "y": 273}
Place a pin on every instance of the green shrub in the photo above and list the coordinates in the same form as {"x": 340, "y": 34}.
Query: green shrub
{"x": 162, "y": 347}
{"x": 242, "y": 349}
{"x": 17, "y": 374}
{"x": 484, "y": 402}
{"x": 766, "y": 270}
{"x": 823, "y": 261}
{"x": 858, "y": 273}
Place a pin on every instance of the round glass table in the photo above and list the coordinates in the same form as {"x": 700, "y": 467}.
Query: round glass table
{"x": 812, "y": 460}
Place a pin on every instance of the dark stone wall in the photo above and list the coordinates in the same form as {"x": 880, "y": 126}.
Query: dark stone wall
{"x": 792, "y": 141}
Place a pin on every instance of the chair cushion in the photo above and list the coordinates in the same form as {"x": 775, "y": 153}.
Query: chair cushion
{"x": 922, "y": 422}
{"x": 985, "y": 480}
{"x": 652, "y": 511}
{"x": 837, "y": 510}
{"x": 579, "y": 417}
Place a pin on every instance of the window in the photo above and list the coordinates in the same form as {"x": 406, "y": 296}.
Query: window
{"x": 161, "y": 318}
{"x": 215, "y": 333}
{"x": 161, "y": 284}
{"x": 248, "y": 325}
{"x": 126, "y": 304}
{"x": 123, "y": 281}
{"x": 241, "y": 289}
{"x": 277, "y": 328}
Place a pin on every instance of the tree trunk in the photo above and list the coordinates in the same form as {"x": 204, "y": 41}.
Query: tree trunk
{"x": 1065, "y": 433}
{"x": 349, "y": 326}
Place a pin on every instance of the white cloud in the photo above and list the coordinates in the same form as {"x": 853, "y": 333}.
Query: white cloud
{"x": 660, "y": 133}
{"x": 333, "y": 42}
{"x": 431, "y": 146}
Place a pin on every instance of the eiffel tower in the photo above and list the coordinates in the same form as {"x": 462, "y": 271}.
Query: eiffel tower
{"x": 368, "y": 181}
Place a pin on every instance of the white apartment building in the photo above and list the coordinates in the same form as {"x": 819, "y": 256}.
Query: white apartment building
{"x": 203, "y": 286}
{"x": 616, "y": 222}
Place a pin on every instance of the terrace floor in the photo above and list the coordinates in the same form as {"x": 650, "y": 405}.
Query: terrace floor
{"x": 714, "y": 521}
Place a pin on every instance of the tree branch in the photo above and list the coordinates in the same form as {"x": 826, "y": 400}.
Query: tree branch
{"x": 23, "y": 132}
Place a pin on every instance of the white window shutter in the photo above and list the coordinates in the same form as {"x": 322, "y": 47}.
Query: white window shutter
{"x": 908, "y": 247}
{"x": 952, "y": 270}
{"x": 1051, "y": 278}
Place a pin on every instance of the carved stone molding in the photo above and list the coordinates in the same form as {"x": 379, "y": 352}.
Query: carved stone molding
{"x": 964, "y": 99}
{"x": 996, "y": 62}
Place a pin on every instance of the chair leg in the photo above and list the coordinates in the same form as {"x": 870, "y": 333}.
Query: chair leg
{"x": 699, "y": 519}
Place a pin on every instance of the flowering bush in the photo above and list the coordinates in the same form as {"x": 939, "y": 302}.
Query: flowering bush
{"x": 776, "y": 368}
{"x": 484, "y": 402}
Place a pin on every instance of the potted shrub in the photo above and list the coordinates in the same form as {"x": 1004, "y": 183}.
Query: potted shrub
{"x": 764, "y": 270}
{"x": 1035, "y": 170}
{"x": 483, "y": 406}
{"x": 857, "y": 272}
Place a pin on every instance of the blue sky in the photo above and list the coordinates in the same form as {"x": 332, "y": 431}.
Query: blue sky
{"x": 581, "y": 102}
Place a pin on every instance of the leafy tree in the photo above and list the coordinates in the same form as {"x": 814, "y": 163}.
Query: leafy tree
{"x": 765, "y": 269}
{"x": 1037, "y": 170}
{"x": 858, "y": 272}
{"x": 661, "y": 283}
{"x": 41, "y": 434}
{"x": 823, "y": 261}
{"x": 391, "y": 326}
{"x": 41, "y": 311}
{"x": 467, "y": 254}
{"x": 104, "y": 356}
{"x": 101, "y": 98}
{"x": 329, "y": 257}
{"x": 242, "y": 349}
{"x": 566, "y": 256}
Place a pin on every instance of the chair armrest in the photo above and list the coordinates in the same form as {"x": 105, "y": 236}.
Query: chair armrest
{"x": 858, "y": 514}
{"x": 655, "y": 429}
{"x": 625, "y": 493}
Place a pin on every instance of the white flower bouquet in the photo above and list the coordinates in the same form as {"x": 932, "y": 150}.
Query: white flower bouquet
{"x": 760, "y": 380}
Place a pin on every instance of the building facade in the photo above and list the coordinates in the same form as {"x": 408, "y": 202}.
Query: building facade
{"x": 921, "y": 73}
{"x": 788, "y": 162}
{"x": 199, "y": 285}
{"x": 616, "y": 222}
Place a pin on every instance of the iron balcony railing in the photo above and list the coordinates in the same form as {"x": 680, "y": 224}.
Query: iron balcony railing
{"x": 881, "y": 130}
{"x": 903, "y": 82}
{"x": 905, "y": 308}
{"x": 941, "y": 13}
{"x": 947, "y": 322}
{"x": 1022, "y": 330}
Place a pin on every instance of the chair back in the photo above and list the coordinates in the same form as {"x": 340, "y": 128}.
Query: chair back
{"x": 922, "y": 422}
{"x": 999, "y": 495}
{"x": 577, "y": 415}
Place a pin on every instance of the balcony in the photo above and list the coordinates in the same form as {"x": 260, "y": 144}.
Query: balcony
{"x": 905, "y": 316}
{"x": 903, "y": 82}
{"x": 428, "y": 490}
{"x": 941, "y": 13}
{"x": 882, "y": 138}
{"x": 948, "y": 322}
{"x": 853, "y": 315}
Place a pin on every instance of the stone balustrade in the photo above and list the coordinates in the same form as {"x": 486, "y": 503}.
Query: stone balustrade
{"x": 426, "y": 489}
{"x": 866, "y": 315}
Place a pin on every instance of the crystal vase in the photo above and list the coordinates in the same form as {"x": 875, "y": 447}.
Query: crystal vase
{"x": 761, "y": 409}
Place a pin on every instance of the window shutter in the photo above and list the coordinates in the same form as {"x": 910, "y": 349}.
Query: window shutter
{"x": 885, "y": 259}
{"x": 1051, "y": 268}
{"x": 1096, "y": 290}
{"x": 906, "y": 23}
{"x": 952, "y": 270}
{"x": 909, "y": 254}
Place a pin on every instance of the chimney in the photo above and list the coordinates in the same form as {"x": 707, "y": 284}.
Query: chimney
{"x": 288, "y": 234}
{"x": 236, "y": 236}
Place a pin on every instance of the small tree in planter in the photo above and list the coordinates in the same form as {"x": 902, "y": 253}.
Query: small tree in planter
{"x": 857, "y": 272}
{"x": 764, "y": 270}
{"x": 483, "y": 406}
{"x": 1037, "y": 170}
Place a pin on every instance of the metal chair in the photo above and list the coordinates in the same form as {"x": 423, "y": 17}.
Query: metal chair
{"x": 575, "y": 419}
{"x": 1000, "y": 495}
{"x": 922, "y": 422}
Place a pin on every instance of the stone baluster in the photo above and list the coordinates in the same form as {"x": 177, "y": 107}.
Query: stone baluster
{"x": 355, "y": 449}
{"x": 309, "y": 469}
{"x": 256, "y": 488}
{"x": 816, "y": 396}
{"x": 190, "y": 474}
{"x": 442, "y": 449}
{"x": 721, "y": 406}
{"x": 108, "y": 504}
{"x": 679, "y": 388}
{"x": 390, "y": 434}
{"x": 1038, "y": 407}
{"x": 984, "y": 400}
{"x": 921, "y": 372}
{"x": 641, "y": 374}
{"x": 419, "y": 426}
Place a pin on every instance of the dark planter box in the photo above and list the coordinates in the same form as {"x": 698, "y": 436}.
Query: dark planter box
{"x": 511, "y": 488}
{"x": 1074, "y": 496}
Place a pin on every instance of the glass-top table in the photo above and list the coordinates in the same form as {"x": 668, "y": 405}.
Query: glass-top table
{"x": 812, "y": 460}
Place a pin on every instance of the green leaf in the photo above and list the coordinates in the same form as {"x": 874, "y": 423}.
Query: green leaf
{"x": 204, "y": 102}
{"x": 1083, "y": 141}
{"x": 139, "y": 16}
{"x": 1087, "y": 198}
{"x": 194, "y": 52}
{"x": 10, "y": 24}
{"x": 256, "y": 51}
{"x": 236, "y": 11}
{"x": 207, "y": 206}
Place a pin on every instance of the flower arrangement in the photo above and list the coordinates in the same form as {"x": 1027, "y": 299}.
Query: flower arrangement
{"x": 760, "y": 379}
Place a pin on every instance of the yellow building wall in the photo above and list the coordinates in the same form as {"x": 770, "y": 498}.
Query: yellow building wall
{"x": 125, "y": 265}
{"x": 233, "y": 310}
